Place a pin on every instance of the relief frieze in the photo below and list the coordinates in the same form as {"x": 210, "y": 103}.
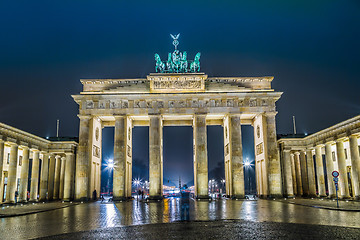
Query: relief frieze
{"x": 189, "y": 103}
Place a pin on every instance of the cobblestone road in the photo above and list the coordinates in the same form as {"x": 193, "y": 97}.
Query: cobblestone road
{"x": 91, "y": 216}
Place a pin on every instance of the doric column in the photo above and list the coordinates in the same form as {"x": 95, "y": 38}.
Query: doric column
{"x": 57, "y": 176}
{"x": 44, "y": 176}
{"x": 82, "y": 161}
{"x": 12, "y": 172}
{"x": 304, "y": 175}
{"x": 24, "y": 175}
{"x": 51, "y": 177}
{"x": 355, "y": 165}
{"x": 2, "y": 150}
{"x": 288, "y": 176}
{"x": 119, "y": 180}
{"x": 34, "y": 176}
{"x": 329, "y": 169}
{"x": 298, "y": 174}
{"x": 62, "y": 173}
{"x": 155, "y": 163}
{"x": 311, "y": 173}
{"x": 293, "y": 173}
{"x": 200, "y": 157}
{"x": 274, "y": 169}
{"x": 236, "y": 157}
{"x": 320, "y": 171}
{"x": 69, "y": 176}
{"x": 343, "y": 180}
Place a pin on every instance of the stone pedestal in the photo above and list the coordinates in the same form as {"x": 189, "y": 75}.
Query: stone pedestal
{"x": 24, "y": 175}
{"x": 51, "y": 177}
{"x": 11, "y": 183}
{"x": 44, "y": 177}
{"x": 343, "y": 180}
{"x": 82, "y": 161}
{"x": 119, "y": 179}
{"x": 69, "y": 176}
{"x": 34, "y": 177}
{"x": 329, "y": 170}
{"x": 200, "y": 157}
{"x": 355, "y": 165}
{"x": 236, "y": 157}
{"x": 288, "y": 175}
{"x": 311, "y": 173}
{"x": 155, "y": 158}
{"x": 320, "y": 172}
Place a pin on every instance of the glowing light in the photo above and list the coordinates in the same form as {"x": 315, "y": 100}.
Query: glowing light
{"x": 109, "y": 165}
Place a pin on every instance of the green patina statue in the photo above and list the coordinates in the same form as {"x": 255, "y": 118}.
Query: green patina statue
{"x": 177, "y": 61}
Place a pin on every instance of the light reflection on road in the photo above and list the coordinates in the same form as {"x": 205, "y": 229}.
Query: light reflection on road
{"x": 91, "y": 216}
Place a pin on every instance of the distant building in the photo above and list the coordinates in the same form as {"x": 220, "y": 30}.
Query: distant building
{"x": 308, "y": 161}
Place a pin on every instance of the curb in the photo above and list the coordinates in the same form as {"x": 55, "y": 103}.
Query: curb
{"x": 39, "y": 211}
{"x": 324, "y": 207}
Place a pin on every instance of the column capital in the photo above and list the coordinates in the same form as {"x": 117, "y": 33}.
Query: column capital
{"x": 297, "y": 153}
{"x": 286, "y": 150}
{"x": 11, "y": 142}
{"x": 270, "y": 114}
{"x": 329, "y": 143}
{"x": 340, "y": 140}
{"x": 320, "y": 145}
{"x": 120, "y": 116}
{"x": 354, "y": 135}
{"x": 84, "y": 117}
{"x": 34, "y": 150}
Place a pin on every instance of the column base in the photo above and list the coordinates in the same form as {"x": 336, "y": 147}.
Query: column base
{"x": 120, "y": 199}
{"x": 238, "y": 197}
{"x": 33, "y": 201}
{"x": 83, "y": 199}
{"x": 203, "y": 197}
{"x": 357, "y": 198}
{"x": 151, "y": 198}
{"x": 345, "y": 197}
{"x": 276, "y": 196}
{"x": 22, "y": 201}
{"x": 289, "y": 196}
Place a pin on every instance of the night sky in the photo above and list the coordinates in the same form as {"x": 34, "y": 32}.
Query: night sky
{"x": 310, "y": 47}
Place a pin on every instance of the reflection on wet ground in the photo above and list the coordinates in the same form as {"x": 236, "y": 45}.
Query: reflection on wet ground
{"x": 84, "y": 217}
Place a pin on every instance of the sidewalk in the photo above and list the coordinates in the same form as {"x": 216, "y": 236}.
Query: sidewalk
{"x": 344, "y": 205}
{"x": 30, "y": 208}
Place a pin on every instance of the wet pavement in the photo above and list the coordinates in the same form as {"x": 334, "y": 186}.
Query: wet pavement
{"x": 30, "y": 208}
{"x": 344, "y": 205}
{"x": 94, "y": 216}
{"x": 223, "y": 229}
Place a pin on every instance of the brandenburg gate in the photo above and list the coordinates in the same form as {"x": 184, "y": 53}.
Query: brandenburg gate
{"x": 177, "y": 95}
